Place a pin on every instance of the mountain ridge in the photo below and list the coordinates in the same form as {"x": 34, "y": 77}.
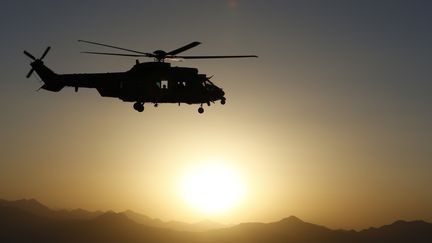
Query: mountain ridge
{"x": 19, "y": 225}
{"x": 36, "y": 208}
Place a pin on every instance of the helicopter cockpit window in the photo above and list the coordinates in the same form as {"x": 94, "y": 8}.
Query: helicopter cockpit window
{"x": 164, "y": 84}
{"x": 208, "y": 85}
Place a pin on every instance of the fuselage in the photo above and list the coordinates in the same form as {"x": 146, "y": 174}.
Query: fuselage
{"x": 154, "y": 82}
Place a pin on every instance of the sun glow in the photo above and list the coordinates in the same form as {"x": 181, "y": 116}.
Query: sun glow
{"x": 212, "y": 188}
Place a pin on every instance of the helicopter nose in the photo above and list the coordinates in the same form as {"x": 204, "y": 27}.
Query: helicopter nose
{"x": 221, "y": 92}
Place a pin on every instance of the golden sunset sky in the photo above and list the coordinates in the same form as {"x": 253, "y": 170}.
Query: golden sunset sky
{"x": 332, "y": 123}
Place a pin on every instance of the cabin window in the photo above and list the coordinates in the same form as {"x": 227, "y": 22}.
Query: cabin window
{"x": 164, "y": 84}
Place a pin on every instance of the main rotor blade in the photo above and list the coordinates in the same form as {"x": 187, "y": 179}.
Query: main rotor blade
{"x": 29, "y": 55}
{"x": 115, "y": 47}
{"x": 210, "y": 57}
{"x": 118, "y": 54}
{"x": 45, "y": 52}
{"x": 184, "y": 48}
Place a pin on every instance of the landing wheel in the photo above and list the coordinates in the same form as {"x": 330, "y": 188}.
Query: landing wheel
{"x": 223, "y": 101}
{"x": 200, "y": 110}
{"x": 138, "y": 106}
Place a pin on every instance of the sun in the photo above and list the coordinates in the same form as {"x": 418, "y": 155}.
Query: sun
{"x": 212, "y": 188}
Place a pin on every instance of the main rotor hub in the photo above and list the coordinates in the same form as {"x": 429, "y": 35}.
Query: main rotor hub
{"x": 159, "y": 55}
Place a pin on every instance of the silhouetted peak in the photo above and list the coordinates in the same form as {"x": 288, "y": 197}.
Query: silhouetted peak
{"x": 83, "y": 211}
{"x": 399, "y": 222}
{"x": 131, "y": 212}
{"x": 142, "y": 219}
{"x": 30, "y": 201}
{"x": 291, "y": 220}
{"x": 406, "y": 224}
{"x": 293, "y": 223}
{"x": 112, "y": 214}
{"x": 30, "y": 205}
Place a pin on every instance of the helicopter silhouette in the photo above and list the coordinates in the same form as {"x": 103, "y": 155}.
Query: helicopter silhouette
{"x": 149, "y": 82}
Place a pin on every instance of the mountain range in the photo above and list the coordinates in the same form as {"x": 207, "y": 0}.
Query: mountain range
{"x": 30, "y": 221}
{"x": 36, "y": 208}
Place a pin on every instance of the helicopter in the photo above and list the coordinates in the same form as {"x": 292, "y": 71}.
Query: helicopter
{"x": 154, "y": 82}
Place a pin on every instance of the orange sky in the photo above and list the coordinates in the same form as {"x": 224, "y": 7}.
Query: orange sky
{"x": 331, "y": 123}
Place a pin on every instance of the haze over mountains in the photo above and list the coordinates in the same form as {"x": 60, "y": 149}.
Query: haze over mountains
{"x": 31, "y": 221}
{"x": 36, "y": 208}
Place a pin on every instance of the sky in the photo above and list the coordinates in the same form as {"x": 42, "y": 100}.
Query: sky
{"x": 332, "y": 123}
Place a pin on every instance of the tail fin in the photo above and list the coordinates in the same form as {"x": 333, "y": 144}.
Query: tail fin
{"x": 50, "y": 79}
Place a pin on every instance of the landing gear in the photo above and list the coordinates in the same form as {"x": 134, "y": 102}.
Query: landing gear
{"x": 200, "y": 110}
{"x": 223, "y": 101}
{"x": 138, "y": 106}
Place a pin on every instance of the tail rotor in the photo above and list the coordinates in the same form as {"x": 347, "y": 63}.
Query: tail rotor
{"x": 35, "y": 60}
{"x": 45, "y": 53}
{"x": 30, "y": 73}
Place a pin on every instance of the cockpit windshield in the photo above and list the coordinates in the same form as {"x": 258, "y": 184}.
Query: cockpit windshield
{"x": 209, "y": 85}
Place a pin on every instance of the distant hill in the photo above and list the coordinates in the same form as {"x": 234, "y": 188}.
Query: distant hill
{"x": 34, "y": 207}
{"x": 29, "y": 205}
{"x": 293, "y": 229}
{"x": 24, "y": 221}
{"x": 175, "y": 225}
